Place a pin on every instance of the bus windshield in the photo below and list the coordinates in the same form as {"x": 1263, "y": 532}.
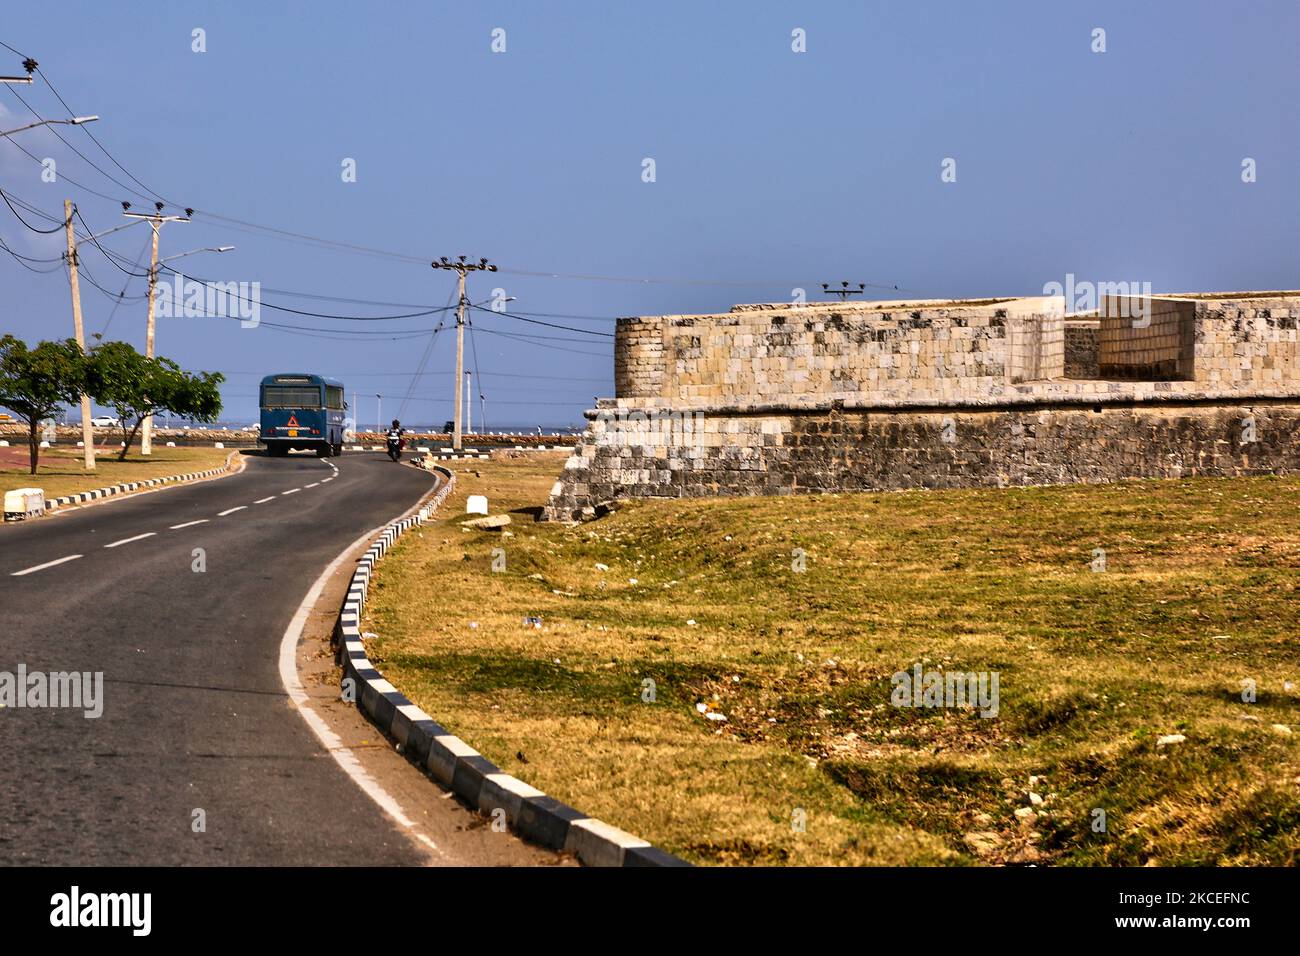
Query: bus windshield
{"x": 291, "y": 396}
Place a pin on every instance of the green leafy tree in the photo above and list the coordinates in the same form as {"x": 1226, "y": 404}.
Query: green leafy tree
{"x": 35, "y": 383}
{"x": 137, "y": 387}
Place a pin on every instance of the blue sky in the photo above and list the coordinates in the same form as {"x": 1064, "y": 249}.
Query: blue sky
{"x": 774, "y": 169}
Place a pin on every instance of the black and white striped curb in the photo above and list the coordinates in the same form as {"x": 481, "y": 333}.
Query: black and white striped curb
{"x": 454, "y": 763}
{"x": 439, "y": 455}
{"x": 129, "y": 486}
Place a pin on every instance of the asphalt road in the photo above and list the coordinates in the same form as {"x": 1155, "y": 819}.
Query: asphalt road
{"x": 194, "y": 716}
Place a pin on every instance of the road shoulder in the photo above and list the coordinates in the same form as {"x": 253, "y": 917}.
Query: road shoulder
{"x": 442, "y": 827}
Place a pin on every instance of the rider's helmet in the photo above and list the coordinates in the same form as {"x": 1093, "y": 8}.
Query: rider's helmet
{"x": 396, "y": 423}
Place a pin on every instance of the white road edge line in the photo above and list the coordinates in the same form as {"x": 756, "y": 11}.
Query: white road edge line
{"x": 42, "y": 567}
{"x": 262, "y": 501}
{"x": 330, "y": 740}
{"x": 290, "y": 491}
{"x": 231, "y": 511}
{"x": 314, "y": 484}
{"x": 177, "y": 527}
{"x": 138, "y": 537}
{"x": 330, "y": 478}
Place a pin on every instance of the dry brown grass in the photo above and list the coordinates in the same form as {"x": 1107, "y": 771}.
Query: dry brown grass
{"x": 1201, "y": 591}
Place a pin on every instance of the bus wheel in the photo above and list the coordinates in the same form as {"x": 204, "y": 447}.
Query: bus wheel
{"x": 276, "y": 451}
{"x": 323, "y": 451}
{"x": 337, "y": 450}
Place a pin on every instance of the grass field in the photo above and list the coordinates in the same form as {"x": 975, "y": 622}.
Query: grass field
{"x": 813, "y": 765}
{"x": 61, "y": 471}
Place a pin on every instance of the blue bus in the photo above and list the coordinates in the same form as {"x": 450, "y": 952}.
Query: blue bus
{"x": 301, "y": 411}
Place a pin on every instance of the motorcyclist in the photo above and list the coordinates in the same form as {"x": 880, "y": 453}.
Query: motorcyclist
{"x": 396, "y": 439}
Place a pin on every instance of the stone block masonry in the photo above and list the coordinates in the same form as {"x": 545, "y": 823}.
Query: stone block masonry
{"x": 837, "y": 451}
{"x": 771, "y": 400}
{"x": 940, "y": 352}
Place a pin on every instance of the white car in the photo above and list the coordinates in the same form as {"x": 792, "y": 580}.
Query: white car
{"x": 104, "y": 421}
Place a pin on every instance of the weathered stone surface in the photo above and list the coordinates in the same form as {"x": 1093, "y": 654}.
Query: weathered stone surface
{"x": 773, "y": 400}
{"x": 488, "y": 522}
{"x": 837, "y": 452}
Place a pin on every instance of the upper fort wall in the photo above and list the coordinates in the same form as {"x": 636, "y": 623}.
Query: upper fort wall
{"x": 953, "y": 352}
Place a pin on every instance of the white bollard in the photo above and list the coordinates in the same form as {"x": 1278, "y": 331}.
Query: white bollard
{"x": 45, "y": 444}
{"x": 171, "y": 444}
{"x": 219, "y": 444}
{"x": 24, "y": 503}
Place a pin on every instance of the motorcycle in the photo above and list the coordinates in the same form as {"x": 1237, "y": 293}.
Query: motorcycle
{"x": 395, "y": 446}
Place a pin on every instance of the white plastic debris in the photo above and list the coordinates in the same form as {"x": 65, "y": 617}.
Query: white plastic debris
{"x": 1168, "y": 739}
{"x": 602, "y": 567}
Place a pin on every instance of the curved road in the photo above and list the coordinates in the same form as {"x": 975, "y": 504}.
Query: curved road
{"x": 194, "y": 715}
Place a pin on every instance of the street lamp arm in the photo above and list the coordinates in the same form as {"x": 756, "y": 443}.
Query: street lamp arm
{"x": 75, "y": 121}
{"x": 182, "y": 255}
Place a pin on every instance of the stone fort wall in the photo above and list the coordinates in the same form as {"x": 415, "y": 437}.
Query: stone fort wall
{"x": 785, "y": 400}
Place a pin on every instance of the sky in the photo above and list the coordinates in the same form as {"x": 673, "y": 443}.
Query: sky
{"x": 773, "y": 170}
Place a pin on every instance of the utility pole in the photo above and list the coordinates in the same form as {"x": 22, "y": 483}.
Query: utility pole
{"x": 87, "y": 432}
{"x": 379, "y": 413}
{"x": 844, "y": 291}
{"x": 469, "y": 403}
{"x": 461, "y": 268}
{"x": 156, "y": 222}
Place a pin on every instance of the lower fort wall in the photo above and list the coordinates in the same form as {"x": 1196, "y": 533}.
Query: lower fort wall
{"x": 730, "y": 453}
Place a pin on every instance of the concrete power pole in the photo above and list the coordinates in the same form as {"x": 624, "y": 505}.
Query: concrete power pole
{"x": 469, "y": 402}
{"x": 461, "y": 268}
{"x": 156, "y": 222}
{"x": 87, "y": 432}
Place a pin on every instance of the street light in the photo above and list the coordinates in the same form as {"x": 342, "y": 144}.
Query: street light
{"x": 182, "y": 255}
{"x": 75, "y": 121}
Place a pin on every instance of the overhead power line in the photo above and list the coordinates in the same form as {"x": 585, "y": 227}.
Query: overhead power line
{"x": 552, "y": 325}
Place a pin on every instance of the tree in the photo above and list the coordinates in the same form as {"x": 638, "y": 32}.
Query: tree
{"x": 137, "y": 387}
{"x": 34, "y": 383}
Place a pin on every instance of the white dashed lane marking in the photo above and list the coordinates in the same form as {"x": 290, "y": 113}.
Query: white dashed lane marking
{"x": 177, "y": 527}
{"x": 231, "y": 511}
{"x": 262, "y": 501}
{"x": 138, "y": 537}
{"x": 291, "y": 491}
{"x": 314, "y": 484}
{"x": 47, "y": 564}
{"x": 323, "y": 480}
